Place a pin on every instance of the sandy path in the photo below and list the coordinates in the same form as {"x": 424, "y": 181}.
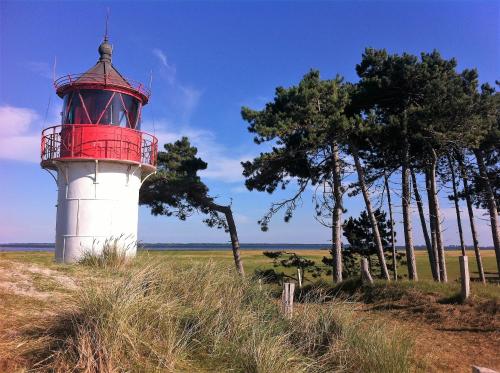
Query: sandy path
{"x": 20, "y": 279}
{"x": 448, "y": 345}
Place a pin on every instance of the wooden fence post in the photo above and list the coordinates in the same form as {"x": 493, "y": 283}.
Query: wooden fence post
{"x": 464, "y": 277}
{"x": 287, "y": 298}
{"x": 365, "y": 272}
{"x": 299, "y": 276}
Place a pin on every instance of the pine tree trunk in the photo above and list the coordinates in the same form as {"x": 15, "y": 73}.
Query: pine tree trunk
{"x": 336, "y": 216}
{"x": 470, "y": 211}
{"x": 406, "y": 202}
{"x": 432, "y": 226}
{"x": 233, "y": 234}
{"x": 437, "y": 219}
{"x": 457, "y": 207}
{"x": 371, "y": 215}
{"x": 407, "y": 226}
{"x": 428, "y": 244}
{"x": 492, "y": 206}
{"x": 393, "y": 236}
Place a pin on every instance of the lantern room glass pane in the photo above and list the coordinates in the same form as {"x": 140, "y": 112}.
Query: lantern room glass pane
{"x": 66, "y": 101}
{"x": 92, "y": 106}
{"x": 74, "y": 111}
{"x": 131, "y": 105}
{"x": 95, "y": 103}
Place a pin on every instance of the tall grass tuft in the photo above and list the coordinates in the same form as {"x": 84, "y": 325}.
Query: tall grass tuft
{"x": 113, "y": 254}
{"x": 204, "y": 317}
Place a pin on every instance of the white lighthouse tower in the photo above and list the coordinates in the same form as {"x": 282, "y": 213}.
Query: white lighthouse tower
{"x": 101, "y": 159}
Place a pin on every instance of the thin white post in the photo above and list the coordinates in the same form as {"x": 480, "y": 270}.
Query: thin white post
{"x": 287, "y": 298}
{"x": 299, "y": 276}
{"x": 464, "y": 277}
{"x": 365, "y": 272}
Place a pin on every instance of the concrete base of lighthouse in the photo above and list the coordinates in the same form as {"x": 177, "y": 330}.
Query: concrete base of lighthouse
{"x": 97, "y": 205}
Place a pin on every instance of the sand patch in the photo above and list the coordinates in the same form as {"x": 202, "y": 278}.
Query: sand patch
{"x": 24, "y": 279}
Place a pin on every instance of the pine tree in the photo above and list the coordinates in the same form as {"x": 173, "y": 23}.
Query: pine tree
{"x": 486, "y": 111}
{"x": 304, "y": 123}
{"x": 387, "y": 88}
{"x": 359, "y": 234}
{"x": 177, "y": 190}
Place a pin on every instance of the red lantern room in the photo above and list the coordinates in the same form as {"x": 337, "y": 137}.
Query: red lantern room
{"x": 101, "y": 118}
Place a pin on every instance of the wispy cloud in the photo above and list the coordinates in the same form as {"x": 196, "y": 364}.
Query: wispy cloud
{"x": 17, "y": 138}
{"x": 190, "y": 98}
{"x": 161, "y": 55}
{"x": 449, "y": 225}
{"x": 182, "y": 98}
{"x": 15, "y": 120}
{"x": 239, "y": 189}
{"x": 256, "y": 102}
{"x": 167, "y": 70}
{"x": 224, "y": 164}
{"x": 242, "y": 219}
{"x": 41, "y": 68}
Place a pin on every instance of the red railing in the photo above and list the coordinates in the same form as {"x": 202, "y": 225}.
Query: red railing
{"x": 101, "y": 79}
{"x": 91, "y": 141}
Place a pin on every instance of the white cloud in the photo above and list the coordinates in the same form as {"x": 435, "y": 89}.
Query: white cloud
{"x": 242, "y": 219}
{"x": 15, "y": 120}
{"x": 223, "y": 164}
{"x": 20, "y": 148}
{"x": 41, "y": 68}
{"x": 224, "y": 169}
{"x": 258, "y": 102}
{"x": 239, "y": 189}
{"x": 167, "y": 70}
{"x": 189, "y": 98}
{"x": 449, "y": 224}
{"x": 181, "y": 99}
{"x": 162, "y": 56}
{"x": 17, "y": 140}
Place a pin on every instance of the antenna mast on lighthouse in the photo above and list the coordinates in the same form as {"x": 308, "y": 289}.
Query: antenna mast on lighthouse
{"x": 106, "y": 25}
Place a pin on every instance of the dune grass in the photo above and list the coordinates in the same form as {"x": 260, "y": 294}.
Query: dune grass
{"x": 203, "y": 317}
{"x": 190, "y": 312}
{"x": 111, "y": 256}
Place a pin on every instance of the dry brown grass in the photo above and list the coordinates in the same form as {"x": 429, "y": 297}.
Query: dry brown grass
{"x": 170, "y": 317}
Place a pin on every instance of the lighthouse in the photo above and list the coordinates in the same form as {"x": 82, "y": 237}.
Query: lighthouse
{"x": 99, "y": 157}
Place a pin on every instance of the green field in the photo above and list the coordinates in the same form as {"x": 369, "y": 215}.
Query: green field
{"x": 253, "y": 259}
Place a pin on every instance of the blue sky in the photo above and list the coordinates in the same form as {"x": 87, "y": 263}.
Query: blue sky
{"x": 208, "y": 59}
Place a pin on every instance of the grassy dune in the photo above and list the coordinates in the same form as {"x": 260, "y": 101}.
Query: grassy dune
{"x": 190, "y": 312}
{"x": 198, "y": 317}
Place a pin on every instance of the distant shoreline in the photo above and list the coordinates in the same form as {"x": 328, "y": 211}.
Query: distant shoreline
{"x": 204, "y": 247}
